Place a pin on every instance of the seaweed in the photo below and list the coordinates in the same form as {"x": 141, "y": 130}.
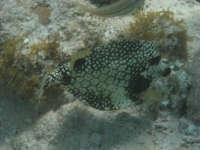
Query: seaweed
{"x": 161, "y": 26}
{"x": 13, "y": 73}
{"x": 19, "y": 76}
{"x": 49, "y": 47}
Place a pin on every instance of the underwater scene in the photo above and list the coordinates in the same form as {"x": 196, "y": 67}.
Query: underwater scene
{"x": 99, "y": 74}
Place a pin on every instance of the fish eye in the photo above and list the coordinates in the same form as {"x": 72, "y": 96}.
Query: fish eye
{"x": 155, "y": 60}
{"x": 79, "y": 64}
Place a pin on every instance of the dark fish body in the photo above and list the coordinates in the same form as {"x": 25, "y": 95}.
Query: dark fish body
{"x": 110, "y": 75}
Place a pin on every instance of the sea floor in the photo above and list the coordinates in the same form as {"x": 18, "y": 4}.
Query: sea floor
{"x": 75, "y": 126}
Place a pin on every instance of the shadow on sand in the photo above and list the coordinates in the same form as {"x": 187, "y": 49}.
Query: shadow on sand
{"x": 15, "y": 117}
{"x": 83, "y": 130}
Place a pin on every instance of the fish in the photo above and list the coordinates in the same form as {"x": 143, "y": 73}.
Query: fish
{"x": 109, "y": 77}
{"x": 122, "y": 7}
